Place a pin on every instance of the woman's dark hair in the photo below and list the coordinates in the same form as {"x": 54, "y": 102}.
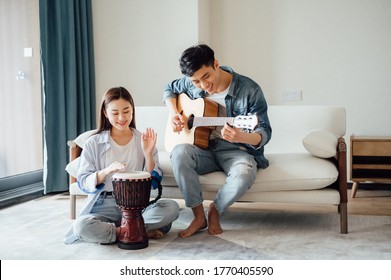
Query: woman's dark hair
{"x": 193, "y": 58}
{"x": 110, "y": 95}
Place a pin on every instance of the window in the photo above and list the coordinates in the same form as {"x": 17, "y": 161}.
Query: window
{"x": 20, "y": 95}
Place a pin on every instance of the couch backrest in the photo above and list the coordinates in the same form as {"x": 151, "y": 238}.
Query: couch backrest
{"x": 154, "y": 117}
{"x": 290, "y": 124}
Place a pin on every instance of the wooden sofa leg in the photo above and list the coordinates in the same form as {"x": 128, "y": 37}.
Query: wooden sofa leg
{"x": 343, "y": 212}
{"x": 72, "y": 199}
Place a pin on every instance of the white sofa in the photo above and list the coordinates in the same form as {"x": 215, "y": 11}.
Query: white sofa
{"x": 307, "y": 155}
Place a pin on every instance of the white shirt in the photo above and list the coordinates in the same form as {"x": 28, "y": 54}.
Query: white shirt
{"x": 123, "y": 154}
{"x": 219, "y": 98}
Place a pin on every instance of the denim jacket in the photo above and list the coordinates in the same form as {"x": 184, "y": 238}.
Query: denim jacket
{"x": 245, "y": 97}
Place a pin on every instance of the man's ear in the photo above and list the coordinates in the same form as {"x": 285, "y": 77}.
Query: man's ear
{"x": 216, "y": 64}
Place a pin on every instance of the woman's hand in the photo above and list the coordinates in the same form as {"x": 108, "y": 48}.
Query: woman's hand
{"x": 109, "y": 170}
{"x": 114, "y": 168}
{"x": 148, "y": 141}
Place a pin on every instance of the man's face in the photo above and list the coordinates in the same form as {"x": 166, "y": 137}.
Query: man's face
{"x": 206, "y": 78}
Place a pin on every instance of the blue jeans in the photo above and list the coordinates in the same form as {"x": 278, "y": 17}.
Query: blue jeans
{"x": 189, "y": 161}
{"x": 100, "y": 224}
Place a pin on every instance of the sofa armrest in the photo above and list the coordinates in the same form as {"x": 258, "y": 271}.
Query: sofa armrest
{"x": 342, "y": 169}
{"x": 74, "y": 153}
{"x": 342, "y": 184}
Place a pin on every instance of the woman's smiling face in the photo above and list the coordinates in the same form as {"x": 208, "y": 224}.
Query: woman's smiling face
{"x": 119, "y": 113}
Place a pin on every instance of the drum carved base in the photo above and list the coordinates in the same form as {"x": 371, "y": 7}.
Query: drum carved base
{"x": 133, "y": 235}
{"x": 132, "y": 193}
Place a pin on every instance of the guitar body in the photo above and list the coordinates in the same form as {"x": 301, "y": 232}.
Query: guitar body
{"x": 198, "y": 136}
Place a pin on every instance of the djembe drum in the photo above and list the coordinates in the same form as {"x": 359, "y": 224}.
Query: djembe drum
{"x": 132, "y": 192}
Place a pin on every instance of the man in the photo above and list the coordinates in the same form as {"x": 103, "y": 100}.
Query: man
{"x": 237, "y": 152}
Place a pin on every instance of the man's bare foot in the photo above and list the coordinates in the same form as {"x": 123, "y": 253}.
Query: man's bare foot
{"x": 155, "y": 234}
{"x": 214, "y": 220}
{"x": 199, "y": 222}
{"x": 193, "y": 228}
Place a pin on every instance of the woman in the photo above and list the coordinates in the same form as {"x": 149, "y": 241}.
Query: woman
{"x": 117, "y": 147}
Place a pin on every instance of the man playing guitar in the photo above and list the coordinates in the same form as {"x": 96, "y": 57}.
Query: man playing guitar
{"x": 237, "y": 152}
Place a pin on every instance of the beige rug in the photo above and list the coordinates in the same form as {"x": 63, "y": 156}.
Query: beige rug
{"x": 34, "y": 231}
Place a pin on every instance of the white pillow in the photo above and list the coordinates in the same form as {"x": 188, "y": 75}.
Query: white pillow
{"x": 72, "y": 167}
{"x": 82, "y": 138}
{"x": 321, "y": 143}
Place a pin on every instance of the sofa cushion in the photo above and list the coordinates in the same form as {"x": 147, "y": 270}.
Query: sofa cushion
{"x": 296, "y": 171}
{"x": 292, "y": 123}
{"x": 321, "y": 143}
{"x": 72, "y": 167}
{"x": 75, "y": 190}
{"x": 81, "y": 139}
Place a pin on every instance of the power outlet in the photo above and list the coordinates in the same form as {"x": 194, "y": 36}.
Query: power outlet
{"x": 28, "y": 52}
{"x": 292, "y": 95}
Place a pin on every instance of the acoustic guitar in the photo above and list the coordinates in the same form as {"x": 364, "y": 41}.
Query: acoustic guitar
{"x": 200, "y": 117}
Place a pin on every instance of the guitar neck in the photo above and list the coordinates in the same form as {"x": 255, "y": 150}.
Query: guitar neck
{"x": 211, "y": 121}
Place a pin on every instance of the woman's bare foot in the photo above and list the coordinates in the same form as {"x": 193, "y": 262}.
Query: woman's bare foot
{"x": 194, "y": 227}
{"x": 155, "y": 234}
{"x": 214, "y": 220}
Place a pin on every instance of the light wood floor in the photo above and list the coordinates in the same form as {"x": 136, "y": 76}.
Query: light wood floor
{"x": 370, "y": 202}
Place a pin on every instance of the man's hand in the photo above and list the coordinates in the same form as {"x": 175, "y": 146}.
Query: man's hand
{"x": 236, "y": 135}
{"x": 178, "y": 123}
{"x": 231, "y": 134}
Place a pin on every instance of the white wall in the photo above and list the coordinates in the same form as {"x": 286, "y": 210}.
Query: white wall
{"x": 138, "y": 44}
{"x": 337, "y": 52}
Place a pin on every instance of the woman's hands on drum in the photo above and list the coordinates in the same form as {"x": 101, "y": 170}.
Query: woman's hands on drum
{"x": 114, "y": 168}
{"x": 109, "y": 170}
{"x": 148, "y": 141}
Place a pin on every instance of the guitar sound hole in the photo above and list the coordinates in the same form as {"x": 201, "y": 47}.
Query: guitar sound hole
{"x": 190, "y": 121}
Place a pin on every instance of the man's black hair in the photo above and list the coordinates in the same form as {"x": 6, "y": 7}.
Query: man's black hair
{"x": 193, "y": 58}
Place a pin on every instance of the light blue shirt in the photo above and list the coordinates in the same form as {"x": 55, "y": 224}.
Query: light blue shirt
{"x": 92, "y": 160}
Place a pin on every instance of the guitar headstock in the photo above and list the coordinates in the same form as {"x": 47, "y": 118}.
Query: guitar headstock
{"x": 248, "y": 123}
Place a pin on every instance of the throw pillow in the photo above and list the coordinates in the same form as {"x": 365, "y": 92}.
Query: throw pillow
{"x": 82, "y": 138}
{"x": 72, "y": 167}
{"x": 321, "y": 143}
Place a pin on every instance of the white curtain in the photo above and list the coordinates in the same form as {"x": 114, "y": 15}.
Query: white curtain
{"x": 20, "y": 93}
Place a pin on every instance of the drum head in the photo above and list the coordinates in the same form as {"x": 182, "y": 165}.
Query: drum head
{"x": 135, "y": 175}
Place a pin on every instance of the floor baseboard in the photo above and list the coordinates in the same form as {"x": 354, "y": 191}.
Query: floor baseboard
{"x": 21, "y": 194}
